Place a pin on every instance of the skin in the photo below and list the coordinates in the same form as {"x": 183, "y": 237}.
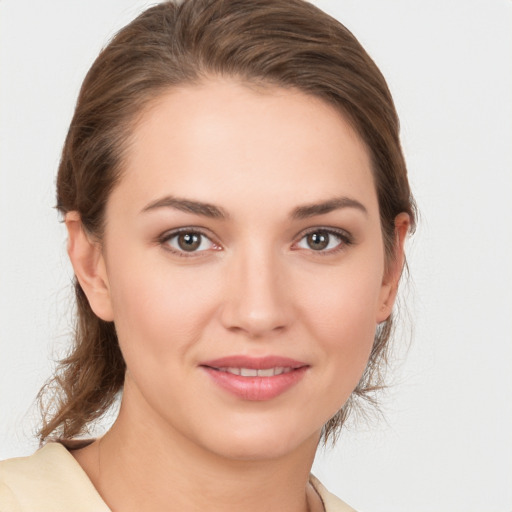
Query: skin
{"x": 255, "y": 286}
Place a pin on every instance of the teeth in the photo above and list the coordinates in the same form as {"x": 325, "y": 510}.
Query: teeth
{"x": 252, "y": 372}
{"x": 266, "y": 373}
{"x": 248, "y": 372}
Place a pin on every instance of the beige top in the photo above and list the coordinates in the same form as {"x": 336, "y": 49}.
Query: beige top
{"x": 52, "y": 481}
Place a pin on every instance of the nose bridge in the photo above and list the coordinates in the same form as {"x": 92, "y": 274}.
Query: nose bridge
{"x": 256, "y": 301}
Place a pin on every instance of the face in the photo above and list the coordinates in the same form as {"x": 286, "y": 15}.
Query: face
{"x": 243, "y": 266}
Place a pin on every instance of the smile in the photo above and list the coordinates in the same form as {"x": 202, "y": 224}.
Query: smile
{"x": 255, "y": 378}
{"x": 253, "y": 372}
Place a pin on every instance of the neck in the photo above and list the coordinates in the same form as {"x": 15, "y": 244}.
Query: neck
{"x": 145, "y": 465}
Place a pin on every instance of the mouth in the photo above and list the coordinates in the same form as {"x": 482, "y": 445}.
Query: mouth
{"x": 255, "y": 379}
{"x": 253, "y": 372}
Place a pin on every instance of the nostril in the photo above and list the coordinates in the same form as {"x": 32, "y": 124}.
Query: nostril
{"x": 257, "y": 301}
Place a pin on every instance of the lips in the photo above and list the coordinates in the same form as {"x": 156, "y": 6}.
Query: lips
{"x": 253, "y": 372}
{"x": 255, "y": 379}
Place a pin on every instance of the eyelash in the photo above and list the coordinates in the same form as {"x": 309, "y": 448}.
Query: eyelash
{"x": 164, "y": 240}
{"x": 345, "y": 240}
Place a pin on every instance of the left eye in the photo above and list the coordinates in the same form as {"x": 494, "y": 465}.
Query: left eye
{"x": 320, "y": 240}
{"x": 189, "y": 241}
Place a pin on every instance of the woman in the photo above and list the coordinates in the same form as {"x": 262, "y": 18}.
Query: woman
{"x": 236, "y": 203}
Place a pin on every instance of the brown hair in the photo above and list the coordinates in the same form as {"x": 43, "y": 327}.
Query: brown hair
{"x": 286, "y": 43}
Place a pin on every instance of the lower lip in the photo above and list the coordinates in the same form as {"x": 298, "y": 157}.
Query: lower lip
{"x": 256, "y": 388}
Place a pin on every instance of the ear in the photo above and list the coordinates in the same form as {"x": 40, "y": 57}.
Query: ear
{"x": 393, "y": 272}
{"x": 89, "y": 266}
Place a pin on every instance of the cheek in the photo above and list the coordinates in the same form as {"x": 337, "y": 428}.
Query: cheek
{"x": 341, "y": 317}
{"x": 160, "y": 311}
{"x": 345, "y": 300}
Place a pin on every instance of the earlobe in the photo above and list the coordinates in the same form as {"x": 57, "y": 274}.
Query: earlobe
{"x": 391, "y": 279}
{"x": 89, "y": 266}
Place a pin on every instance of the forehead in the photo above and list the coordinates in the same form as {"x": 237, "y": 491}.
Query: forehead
{"x": 225, "y": 141}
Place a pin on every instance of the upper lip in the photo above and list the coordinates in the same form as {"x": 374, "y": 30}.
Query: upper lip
{"x": 257, "y": 363}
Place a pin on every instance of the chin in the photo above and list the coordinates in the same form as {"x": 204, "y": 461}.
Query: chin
{"x": 261, "y": 442}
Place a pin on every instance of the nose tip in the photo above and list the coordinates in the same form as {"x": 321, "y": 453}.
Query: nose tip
{"x": 255, "y": 322}
{"x": 256, "y": 302}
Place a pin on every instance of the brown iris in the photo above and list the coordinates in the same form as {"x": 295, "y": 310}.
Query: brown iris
{"x": 318, "y": 240}
{"x": 189, "y": 241}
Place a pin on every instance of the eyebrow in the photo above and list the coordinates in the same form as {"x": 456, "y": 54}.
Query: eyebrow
{"x": 188, "y": 206}
{"x": 337, "y": 203}
{"x": 214, "y": 212}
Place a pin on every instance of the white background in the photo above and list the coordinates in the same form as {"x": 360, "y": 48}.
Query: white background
{"x": 446, "y": 442}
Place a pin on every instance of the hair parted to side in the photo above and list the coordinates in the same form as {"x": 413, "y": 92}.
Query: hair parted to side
{"x": 284, "y": 43}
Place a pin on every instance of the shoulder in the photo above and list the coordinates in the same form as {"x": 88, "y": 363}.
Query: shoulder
{"x": 52, "y": 481}
{"x": 331, "y": 502}
{"x": 48, "y": 480}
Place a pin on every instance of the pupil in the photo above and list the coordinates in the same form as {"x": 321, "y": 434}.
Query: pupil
{"x": 318, "y": 240}
{"x": 189, "y": 241}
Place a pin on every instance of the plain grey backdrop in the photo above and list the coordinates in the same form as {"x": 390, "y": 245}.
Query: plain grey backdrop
{"x": 446, "y": 441}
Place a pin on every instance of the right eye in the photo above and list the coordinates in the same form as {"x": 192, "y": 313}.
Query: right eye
{"x": 188, "y": 241}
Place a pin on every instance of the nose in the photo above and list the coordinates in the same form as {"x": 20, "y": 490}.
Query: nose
{"x": 257, "y": 300}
